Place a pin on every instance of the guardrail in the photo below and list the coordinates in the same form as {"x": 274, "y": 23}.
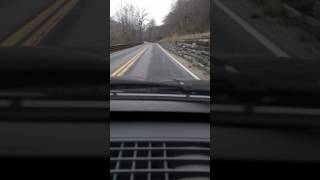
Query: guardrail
{"x": 122, "y": 46}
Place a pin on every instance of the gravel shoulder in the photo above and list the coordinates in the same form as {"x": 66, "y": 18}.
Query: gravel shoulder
{"x": 198, "y": 71}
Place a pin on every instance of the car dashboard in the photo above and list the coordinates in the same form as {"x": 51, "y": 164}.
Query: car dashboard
{"x": 251, "y": 148}
{"x": 159, "y": 140}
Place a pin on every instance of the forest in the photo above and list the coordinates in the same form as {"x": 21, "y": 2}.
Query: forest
{"x": 131, "y": 24}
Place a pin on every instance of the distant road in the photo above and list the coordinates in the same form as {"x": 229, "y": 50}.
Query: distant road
{"x": 54, "y": 23}
{"x": 148, "y": 62}
{"x": 233, "y": 36}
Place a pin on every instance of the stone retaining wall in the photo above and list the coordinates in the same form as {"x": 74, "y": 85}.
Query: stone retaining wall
{"x": 195, "y": 51}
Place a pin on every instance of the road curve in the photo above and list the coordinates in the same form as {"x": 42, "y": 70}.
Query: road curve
{"x": 149, "y": 62}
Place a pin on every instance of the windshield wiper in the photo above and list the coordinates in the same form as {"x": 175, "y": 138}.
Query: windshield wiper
{"x": 227, "y": 91}
{"x": 174, "y": 86}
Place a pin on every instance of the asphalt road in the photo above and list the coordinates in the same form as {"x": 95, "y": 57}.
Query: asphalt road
{"x": 84, "y": 26}
{"x": 15, "y": 13}
{"x": 54, "y": 23}
{"x": 231, "y": 38}
{"x": 153, "y": 64}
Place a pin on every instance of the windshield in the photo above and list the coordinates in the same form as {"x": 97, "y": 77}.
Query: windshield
{"x": 159, "y": 42}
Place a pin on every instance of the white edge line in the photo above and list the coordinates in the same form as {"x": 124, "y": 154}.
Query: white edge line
{"x": 177, "y": 62}
{"x": 262, "y": 39}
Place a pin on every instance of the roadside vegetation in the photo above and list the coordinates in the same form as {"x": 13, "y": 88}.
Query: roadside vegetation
{"x": 131, "y": 24}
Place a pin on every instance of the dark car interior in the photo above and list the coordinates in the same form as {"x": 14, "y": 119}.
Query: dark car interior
{"x": 65, "y": 114}
{"x": 265, "y": 118}
{"x": 159, "y": 135}
{"x": 53, "y": 111}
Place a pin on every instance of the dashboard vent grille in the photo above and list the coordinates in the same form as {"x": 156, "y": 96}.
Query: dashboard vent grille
{"x": 157, "y": 160}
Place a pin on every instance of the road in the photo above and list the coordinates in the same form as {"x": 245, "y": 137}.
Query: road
{"x": 147, "y": 62}
{"x": 233, "y": 36}
{"x": 54, "y": 23}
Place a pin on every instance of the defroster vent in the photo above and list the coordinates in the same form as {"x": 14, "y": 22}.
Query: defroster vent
{"x": 156, "y": 160}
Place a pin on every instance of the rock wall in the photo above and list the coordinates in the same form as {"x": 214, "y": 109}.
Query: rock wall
{"x": 195, "y": 51}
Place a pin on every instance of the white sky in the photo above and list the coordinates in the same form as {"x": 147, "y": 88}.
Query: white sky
{"x": 157, "y": 9}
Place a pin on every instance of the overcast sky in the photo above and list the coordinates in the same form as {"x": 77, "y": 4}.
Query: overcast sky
{"x": 157, "y": 9}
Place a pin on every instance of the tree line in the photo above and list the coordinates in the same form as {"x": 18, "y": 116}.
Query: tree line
{"x": 127, "y": 25}
{"x": 131, "y": 24}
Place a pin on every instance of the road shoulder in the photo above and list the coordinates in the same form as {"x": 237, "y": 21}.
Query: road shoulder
{"x": 199, "y": 72}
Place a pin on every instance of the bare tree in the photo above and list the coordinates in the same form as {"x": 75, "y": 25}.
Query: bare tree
{"x": 185, "y": 17}
{"x": 132, "y": 21}
{"x": 115, "y": 29}
{"x": 141, "y": 18}
{"x": 126, "y": 16}
{"x": 189, "y": 16}
{"x": 151, "y": 29}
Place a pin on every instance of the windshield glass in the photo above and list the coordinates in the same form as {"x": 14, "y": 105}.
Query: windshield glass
{"x": 159, "y": 42}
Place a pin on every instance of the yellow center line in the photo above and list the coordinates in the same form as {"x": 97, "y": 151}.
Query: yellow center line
{"x": 125, "y": 67}
{"x": 32, "y": 24}
{"x": 50, "y": 24}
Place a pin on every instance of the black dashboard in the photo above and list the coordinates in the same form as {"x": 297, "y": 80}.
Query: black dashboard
{"x": 159, "y": 139}
{"x": 264, "y": 153}
{"x": 265, "y": 118}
